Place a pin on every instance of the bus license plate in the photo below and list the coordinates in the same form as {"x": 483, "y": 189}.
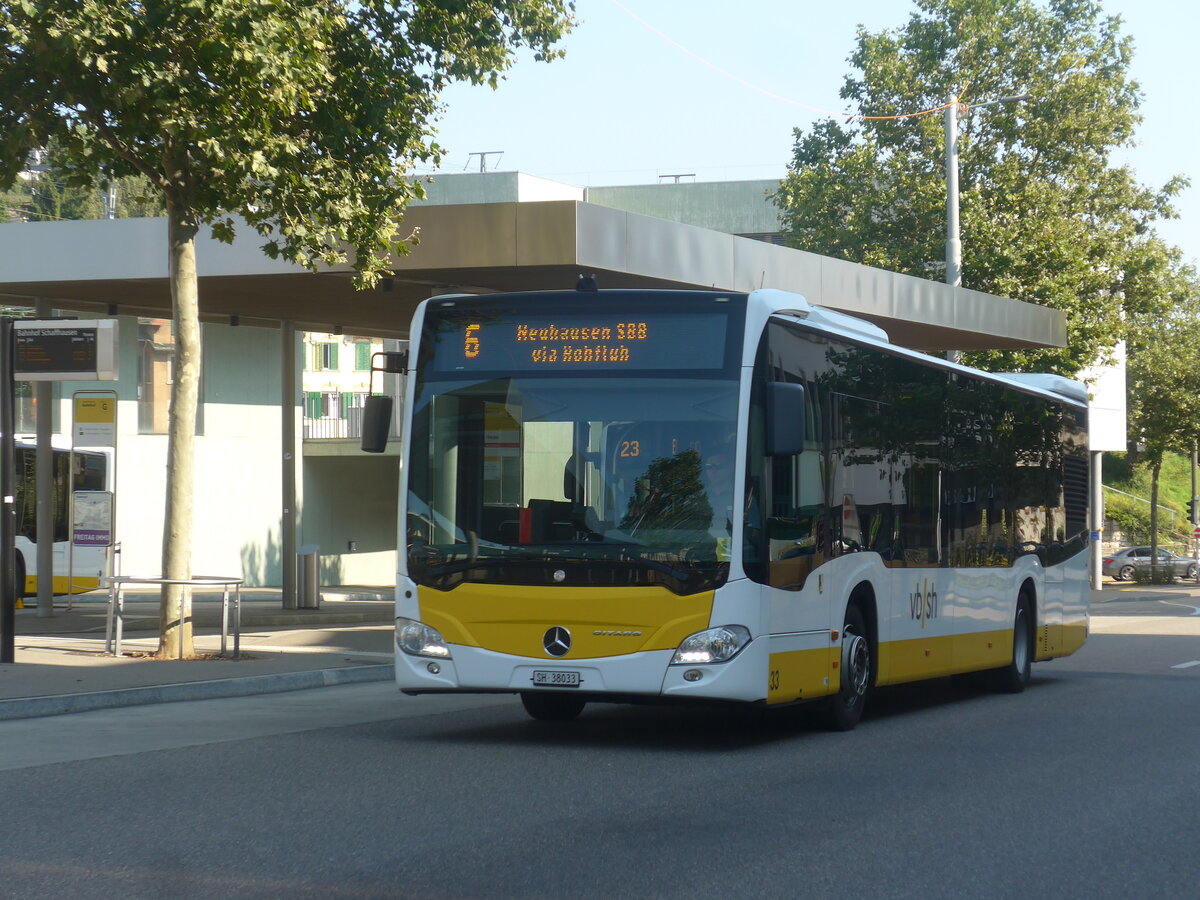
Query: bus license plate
{"x": 556, "y": 678}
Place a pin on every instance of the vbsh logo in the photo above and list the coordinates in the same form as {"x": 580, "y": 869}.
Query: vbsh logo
{"x": 923, "y": 603}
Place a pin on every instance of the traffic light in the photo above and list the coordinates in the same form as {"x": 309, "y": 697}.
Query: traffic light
{"x": 1193, "y": 508}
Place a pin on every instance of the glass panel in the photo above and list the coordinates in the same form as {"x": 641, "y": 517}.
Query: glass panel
{"x": 922, "y": 466}
{"x": 608, "y": 480}
{"x": 155, "y": 373}
{"x": 156, "y": 345}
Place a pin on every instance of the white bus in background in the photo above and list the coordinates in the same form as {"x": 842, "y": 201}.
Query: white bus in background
{"x": 78, "y": 569}
{"x": 658, "y": 496}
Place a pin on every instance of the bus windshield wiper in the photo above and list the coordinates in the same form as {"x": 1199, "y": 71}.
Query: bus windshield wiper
{"x": 492, "y": 558}
{"x": 631, "y": 553}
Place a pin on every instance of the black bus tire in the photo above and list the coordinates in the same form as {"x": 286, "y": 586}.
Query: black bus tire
{"x": 552, "y": 707}
{"x": 856, "y": 670}
{"x": 1012, "y": 678}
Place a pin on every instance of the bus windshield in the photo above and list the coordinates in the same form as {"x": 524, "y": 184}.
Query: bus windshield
{"x": 582, "y": 480}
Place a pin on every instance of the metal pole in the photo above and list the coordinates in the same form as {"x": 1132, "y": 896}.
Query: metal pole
{"x": 69, "y": 487}
{"x": 287, "y": 526}
{"x": 953, "y": 241}
{"x": 953, "y": 238}
{"x": 1195, "y": 511}
{"x": 8, "y": 499}
{"x": 1097, "y": 524}
{"x": 43, "y": 392}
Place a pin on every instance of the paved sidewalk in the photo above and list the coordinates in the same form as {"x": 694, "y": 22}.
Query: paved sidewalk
{"x": 61, "y": 665}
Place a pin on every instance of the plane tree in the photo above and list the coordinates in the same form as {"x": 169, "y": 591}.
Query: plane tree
{"x": 1163, "y": 373}
{"x": 1049, "y": 214}
{"x": 296, "y": 119}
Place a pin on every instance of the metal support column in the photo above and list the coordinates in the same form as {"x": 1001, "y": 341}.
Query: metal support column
{"x": 8, "y": 490}
{"x": 1096, "y": 489}
{"x": 43, "y": 394}
{"x": 288, "y": 450}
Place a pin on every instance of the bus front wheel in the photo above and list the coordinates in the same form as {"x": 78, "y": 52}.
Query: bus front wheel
{"x": 846, "y": 708}
{"x": 552, "y": 707}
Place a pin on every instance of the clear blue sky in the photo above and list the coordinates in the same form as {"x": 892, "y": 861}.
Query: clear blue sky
{"x": 626, "y": 106}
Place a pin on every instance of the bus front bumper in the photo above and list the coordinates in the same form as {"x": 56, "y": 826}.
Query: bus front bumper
{"x": 638, "y": 675}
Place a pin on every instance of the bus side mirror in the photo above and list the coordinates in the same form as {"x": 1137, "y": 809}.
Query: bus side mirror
{"x": 377, "y": 410}
{"x": 785, "y": 418}
{"x": 377, "y": 421}
{"x": 394, "y": 361}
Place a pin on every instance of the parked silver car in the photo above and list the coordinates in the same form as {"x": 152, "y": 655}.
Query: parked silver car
{"x": 1123, "y": 564}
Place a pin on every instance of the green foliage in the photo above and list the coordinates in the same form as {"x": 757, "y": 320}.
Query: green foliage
{"x": 1163, "y": 371}
{"x": 1132, "y": 516}
{"x": 300, "y": 117}
{"x": 1046, "y": 216}
{"x": 1154, "y": 576}
{"x": 1132, "y": 475}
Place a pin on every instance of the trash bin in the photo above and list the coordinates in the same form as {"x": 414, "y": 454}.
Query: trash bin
{"x": 308, "y": 577}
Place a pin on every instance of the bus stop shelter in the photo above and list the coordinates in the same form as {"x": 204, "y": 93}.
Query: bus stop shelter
{"x": 119, "y": 267}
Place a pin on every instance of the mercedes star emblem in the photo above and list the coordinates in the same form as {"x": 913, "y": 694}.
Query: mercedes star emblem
{"x": 557, "y": 641}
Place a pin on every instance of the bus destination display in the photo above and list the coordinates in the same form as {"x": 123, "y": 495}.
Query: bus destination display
{"x": 56, "y": 350}
{"x": 581, "y": 342}
{"x": 65, "y": 350}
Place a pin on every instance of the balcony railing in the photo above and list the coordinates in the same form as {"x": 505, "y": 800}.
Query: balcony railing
{"x": 333, "y": 427}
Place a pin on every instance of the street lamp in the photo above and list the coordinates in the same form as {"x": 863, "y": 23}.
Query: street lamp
{"x": 953, "y": 241}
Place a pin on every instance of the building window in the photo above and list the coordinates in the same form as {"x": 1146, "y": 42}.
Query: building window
{"x": 314, "y": 405}
{"x": 324, "y": 357}
{"x": 26, "y": 408}
{"x": 362, "y": 356}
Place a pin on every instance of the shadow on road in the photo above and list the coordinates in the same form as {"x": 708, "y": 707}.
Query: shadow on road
{"x": 717, "y": 729}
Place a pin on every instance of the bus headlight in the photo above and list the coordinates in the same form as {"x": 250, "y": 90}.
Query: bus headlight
{"x": 714, "y": 645}
{"x": 418, "y": 639}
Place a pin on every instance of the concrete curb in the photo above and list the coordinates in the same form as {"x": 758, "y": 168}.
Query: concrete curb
{"x": 62, "y": 704}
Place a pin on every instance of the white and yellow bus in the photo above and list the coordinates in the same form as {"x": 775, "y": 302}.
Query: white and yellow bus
{"x": 692, "y": 496}
{"x": 76, "y": 569}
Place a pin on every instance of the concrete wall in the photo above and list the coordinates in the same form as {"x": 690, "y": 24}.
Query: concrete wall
{"x": 238, "y": 487}
{"x": 352, "y": 499}
{"x": 732, "y": 207}
{"x": 495, "y": 187}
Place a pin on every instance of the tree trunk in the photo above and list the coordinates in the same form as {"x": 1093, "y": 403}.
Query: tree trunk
{"x": 1154, "y": 470}
{"x": 175, "y": 623}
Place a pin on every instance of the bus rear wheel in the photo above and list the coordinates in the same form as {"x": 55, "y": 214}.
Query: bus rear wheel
{"x": 846, "y": 708}
{"x": 1011, "y": 679}
{"x": 552, "y": 707}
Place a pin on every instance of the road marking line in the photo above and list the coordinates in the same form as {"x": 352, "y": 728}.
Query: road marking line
{"x": 1195, "y": 609}
{"x": 1187, "y": 665}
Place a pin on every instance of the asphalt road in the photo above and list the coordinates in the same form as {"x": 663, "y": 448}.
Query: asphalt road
{"x": 1083, "y": 786}
{"x": 1180, "y": 599}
